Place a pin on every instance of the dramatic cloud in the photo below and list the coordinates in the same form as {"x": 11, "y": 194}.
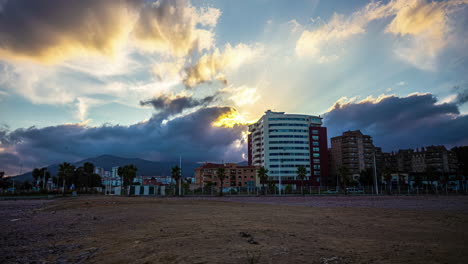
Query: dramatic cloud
{"x": 315, "y": 43}
{"x": 400, "y": 122}
{"x": 172, "y": 105}
{"x": 211, "y": 66}
{"x": 462, "y": 95}
{"x": 51, "y": 31}
{"x": 169, "y": 70}
{"x": 171, "y": 26}
{"x": 194, "y": 135}
{"x": 423, "y": 28}
{"x": 242, "y": 95}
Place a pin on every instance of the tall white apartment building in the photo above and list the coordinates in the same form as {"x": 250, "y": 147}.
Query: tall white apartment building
{"x": 282, "y": 142}
{"x": 115, "y": 172}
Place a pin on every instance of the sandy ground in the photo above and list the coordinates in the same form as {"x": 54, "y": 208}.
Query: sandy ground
{"x": 235, "y": 230}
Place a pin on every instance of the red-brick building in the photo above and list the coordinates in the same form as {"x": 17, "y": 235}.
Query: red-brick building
{"x": 236, "y": 176}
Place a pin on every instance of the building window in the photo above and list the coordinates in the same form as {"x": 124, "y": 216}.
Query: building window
{"x": 287, "y": 130}
{"x": 286, "y": 124}
{"x": 316, "y": 149}
{"x": 315, "y": 137}
{"x": 315, "y": 143}
{"x": 317, "y": 173}
{"x": 316, "y": 155}
{"x": 286, "y": 118}
{"x": 316, "y": 167}
{"x": 315, "y": 132}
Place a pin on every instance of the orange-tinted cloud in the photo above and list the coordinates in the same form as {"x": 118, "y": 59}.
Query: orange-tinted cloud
{"x": 171, "y": 26}
{"x": 426, "y": 25}
{"x": 52, "y": 31}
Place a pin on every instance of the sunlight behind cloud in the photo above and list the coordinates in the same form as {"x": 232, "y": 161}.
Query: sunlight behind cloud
{"x": 211, "y": 66}
{"x": 422, "y": 29}
{"x": 230, "y": 119}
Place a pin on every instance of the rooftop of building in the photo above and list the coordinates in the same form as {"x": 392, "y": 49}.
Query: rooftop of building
{"x": 351, "y": 133}
{"x": 209, "y": 165}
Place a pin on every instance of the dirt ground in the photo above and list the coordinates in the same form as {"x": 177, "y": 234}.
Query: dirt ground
{"x": 235, "y": 230}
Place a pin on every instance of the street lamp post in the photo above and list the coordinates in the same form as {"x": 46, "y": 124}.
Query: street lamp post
{"x": 279, "y": 175}
{"x": 375, "y": 178}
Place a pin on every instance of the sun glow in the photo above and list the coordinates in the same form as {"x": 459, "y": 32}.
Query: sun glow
{"x": 230, "y": 119}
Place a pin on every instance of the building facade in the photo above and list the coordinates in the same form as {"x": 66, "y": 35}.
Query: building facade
{"x": 353, "y": 150}
{"x": 282, "y": 142}
{"x": 236, "y": 176}
{"x": 418, "y": 160}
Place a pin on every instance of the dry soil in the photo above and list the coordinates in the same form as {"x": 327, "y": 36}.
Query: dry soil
{"x": 235, "y": 230}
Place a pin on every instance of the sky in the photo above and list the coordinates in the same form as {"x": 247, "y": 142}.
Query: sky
{"x": 159, "y": 79}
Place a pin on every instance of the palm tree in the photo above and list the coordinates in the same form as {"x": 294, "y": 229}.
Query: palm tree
{"x": 417, "y": 182}
{"x": 65, "y": 173}
{"x": 128, "y": 173}
{"x": 343, "y": 172}
{"x": 262, "y": 174}
{"x": 387, "y": 174}
{"x": 41, "y": 174}
{"x": 445, "y": 179}
{"x": 301, "y": 174}
{"x": 176, "y": 176}
{"x": 221, "y": 176}
{"x": 431, "y": 176}
{"x": 36, "y": 173}
{"x": 399, "y": 182}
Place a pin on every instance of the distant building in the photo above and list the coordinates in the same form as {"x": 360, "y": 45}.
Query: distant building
{"x": 154, "y": 180}
{"x": 282, "y": 142}
{"x": 99, "y": 171}
{"x": 236, "y": 176}
{"x": 353, "y": 150}
{"x": 111, "y": 181}
{"x": 115, "y": 172}
{"x": 417, "y": 161}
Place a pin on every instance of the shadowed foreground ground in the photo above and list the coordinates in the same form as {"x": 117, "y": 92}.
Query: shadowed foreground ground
{"x": 259, "y": 230}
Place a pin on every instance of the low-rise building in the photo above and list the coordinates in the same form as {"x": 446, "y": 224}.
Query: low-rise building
{"x": 236, "y": 176}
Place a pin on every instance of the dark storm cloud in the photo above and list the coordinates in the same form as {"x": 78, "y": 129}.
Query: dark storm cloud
{"x": 462, "y": 95}
{"x": 167, "y": 106}
{"x": 401, "y": 122}
{"x": 191, "y": 136}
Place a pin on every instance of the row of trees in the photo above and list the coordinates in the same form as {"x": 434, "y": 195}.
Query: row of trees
{"x": 366, "y": 178}
{"x": 262, "y": 174}
{"x": 83, "y": 177}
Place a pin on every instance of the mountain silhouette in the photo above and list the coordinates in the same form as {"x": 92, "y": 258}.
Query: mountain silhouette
{"x": 145, "y": 167}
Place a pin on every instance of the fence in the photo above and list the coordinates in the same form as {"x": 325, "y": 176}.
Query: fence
{"x": 383, "y": 189}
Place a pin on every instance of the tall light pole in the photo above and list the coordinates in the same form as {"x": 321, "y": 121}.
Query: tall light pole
{"x": 43, "y": 181}
{"x": 180, "y": 176}
{"x": 375, "y": 177}
{"x": 279, "y": 174}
